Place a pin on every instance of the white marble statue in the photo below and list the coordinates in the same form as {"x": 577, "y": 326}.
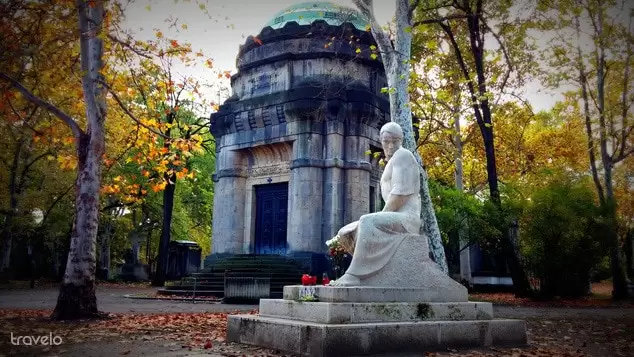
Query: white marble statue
{"x": 377, "y": 236}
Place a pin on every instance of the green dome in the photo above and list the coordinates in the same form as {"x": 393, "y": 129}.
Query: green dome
{"x": 307, "y": 12}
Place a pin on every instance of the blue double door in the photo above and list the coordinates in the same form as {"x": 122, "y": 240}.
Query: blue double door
{"x": 271, "y": 212}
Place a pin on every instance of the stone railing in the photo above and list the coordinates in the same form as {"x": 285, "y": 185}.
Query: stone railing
{"x": 246, "y": 288}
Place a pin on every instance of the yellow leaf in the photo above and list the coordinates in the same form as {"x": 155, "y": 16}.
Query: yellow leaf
{"x": 159, "y": 186}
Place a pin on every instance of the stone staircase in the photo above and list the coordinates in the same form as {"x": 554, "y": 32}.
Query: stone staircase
{"x": 210, "y": 282}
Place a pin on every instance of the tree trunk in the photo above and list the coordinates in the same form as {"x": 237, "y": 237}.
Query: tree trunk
{"x": 77, "y": 297}
{"x": 464, "y": 244}
{"x": 77, "y": 293}
{"x": 482, "y": 112}
{"x": 619, "y": 284}
{"x": 629, "y": 253}
{"x": 168, "y": 208}
{"x": 396, "y": 59}
{"x": 104, "y": 249}
{"x": 7, "y": 229}
{"x": 520, "y": 281}
{"x": 6, "y": 236}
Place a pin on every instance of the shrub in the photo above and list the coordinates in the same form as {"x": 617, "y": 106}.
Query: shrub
{"x": 475, "y": 220}
{"x": 562, "y": 237}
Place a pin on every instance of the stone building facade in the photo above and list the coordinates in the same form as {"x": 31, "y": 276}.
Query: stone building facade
{"x": 293, "y": 142}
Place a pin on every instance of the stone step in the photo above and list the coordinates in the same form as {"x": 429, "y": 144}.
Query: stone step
{"x": 377, "y": 294}
{"x": 332, "y": 340}
{"x": 279, "y": 269}
{"x": 351, "y": 313}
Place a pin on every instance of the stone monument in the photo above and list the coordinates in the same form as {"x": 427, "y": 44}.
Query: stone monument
{"x": 392, "y": 298}
{"x": 132, "y": 269}
{"x": 292, "y": 140}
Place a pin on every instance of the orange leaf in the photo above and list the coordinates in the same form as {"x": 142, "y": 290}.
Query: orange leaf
{"x": 257, "y": 40}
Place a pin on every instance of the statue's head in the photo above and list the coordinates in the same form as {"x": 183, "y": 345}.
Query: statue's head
{"x": 391, "y": 135}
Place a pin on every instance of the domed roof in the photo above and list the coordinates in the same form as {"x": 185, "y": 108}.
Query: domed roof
{"x": 306, "y": 13}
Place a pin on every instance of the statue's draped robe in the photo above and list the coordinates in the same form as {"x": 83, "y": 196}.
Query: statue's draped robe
{"x": 378, "y": 235}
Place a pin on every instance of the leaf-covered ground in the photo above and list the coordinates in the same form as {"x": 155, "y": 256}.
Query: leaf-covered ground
{"x": 600, "y": 298}
{"x": 589, "y": 327}
{"x": 203, "y": 334}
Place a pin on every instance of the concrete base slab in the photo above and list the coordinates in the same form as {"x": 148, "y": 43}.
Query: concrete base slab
{"x": 378, "y": 294}
{"x": 314, "y": 339}
{"x": 345, "y": 313}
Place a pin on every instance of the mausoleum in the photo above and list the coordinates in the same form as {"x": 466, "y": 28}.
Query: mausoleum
{"x": 293, "y": 141}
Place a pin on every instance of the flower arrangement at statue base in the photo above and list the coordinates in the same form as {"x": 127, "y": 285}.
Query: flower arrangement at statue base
{"x": 337, "y": 255}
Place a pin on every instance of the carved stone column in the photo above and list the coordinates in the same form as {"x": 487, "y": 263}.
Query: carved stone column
{"x": 357, "y": 179}
{"x": 229, "y": 201}
{"x": 305, "y": 194}
{"x": 334, "y": 178}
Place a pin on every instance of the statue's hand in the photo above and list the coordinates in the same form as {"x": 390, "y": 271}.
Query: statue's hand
{"x": 348, "y": 229}
{"x": 347, "y": 237}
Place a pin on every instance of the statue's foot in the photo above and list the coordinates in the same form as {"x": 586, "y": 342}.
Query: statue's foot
{"x": 346, "y": 280}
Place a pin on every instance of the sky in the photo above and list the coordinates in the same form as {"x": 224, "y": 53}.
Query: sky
{"x": 228, "y": 22}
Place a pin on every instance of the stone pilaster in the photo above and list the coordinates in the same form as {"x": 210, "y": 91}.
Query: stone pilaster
{"x": 334, "y": 178}
{"x": 357, "y": 179}
{"x": 304, "y": 230}
{"x": 229, "y": 203}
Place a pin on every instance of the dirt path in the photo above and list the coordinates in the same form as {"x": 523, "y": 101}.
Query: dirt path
{"x": 112, "y": 300}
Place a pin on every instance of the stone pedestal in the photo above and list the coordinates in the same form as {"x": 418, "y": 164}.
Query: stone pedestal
{"x": 407, "y": 306}
{"x": 367, "y": 320}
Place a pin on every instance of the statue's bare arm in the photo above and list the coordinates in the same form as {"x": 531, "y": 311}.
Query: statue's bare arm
{"x": 400, "y": 169}
{"x": 395, "y": 202}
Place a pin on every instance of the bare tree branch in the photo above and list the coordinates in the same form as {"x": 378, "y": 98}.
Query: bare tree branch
{"x": 626, "y": 82}
{"x": 72, "y": 124}
{"x": 127, "y": 111}
{"x": 412, "y": 8}
{"x": 441, "y": 19}
{"x": 465, "y": 72}
{"x": 59, "y": 198}
{"x": 382, "y": 40}
{"x": 507, "y": 74}
{"x": 128, "y": 46}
